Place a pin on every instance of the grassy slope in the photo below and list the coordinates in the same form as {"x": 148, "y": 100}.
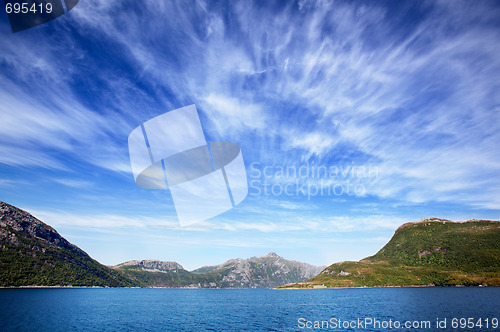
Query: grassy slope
{"x": 433, "y": 252}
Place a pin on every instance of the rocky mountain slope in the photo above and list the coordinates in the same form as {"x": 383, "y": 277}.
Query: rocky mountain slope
{"x": 33, "y": 253}
{"x": 256, "y": 272}
{"x": 428, "y": 252}
{"x": 261, "y": 272}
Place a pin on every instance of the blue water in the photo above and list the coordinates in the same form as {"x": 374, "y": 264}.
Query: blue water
{"x": 242, "y": 309}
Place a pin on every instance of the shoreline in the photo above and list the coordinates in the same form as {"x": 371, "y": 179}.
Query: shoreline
{"x": 274, "y": 288}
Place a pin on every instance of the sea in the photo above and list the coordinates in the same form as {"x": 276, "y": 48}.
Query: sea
{"x": 146, "y": 309}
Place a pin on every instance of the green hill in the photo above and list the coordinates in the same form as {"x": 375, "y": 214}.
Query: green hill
{"x": 429, "y": 252}
{"x": 33, "y": 253}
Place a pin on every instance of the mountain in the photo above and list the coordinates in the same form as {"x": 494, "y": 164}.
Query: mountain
{"x": 261, "y": 272}
{"x": 154, "y": 273}
{"x": 431, "y": 251}
{"x": 151, "y": 265}
{"x": 33, "y": 253}
{"x": 256, "y": 272}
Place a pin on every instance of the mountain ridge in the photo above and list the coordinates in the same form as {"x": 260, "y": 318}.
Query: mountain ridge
{"x": 255, "y": 272}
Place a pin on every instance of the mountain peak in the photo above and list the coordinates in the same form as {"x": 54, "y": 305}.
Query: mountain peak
{"x": 257, "y": 272}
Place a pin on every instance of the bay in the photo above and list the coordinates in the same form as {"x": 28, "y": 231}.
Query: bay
{"x": 128, "y": 309}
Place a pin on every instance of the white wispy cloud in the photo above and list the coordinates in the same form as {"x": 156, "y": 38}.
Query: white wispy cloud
{"x": 315, "y": 143}
{"x": 74, "y": 183}
{"x": 230, "y": 112}
{"x": 100, "y": 221}
{"x": 291, "y": 224}
{"x": 331, "y": 80}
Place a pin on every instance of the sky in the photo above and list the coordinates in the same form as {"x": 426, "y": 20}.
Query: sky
{"x": 352, "y": 118}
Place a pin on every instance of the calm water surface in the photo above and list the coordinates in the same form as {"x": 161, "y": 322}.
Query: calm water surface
{"x": 243, "y": 309}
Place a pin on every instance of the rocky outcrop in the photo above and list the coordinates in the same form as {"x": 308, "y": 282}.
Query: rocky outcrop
{"x": 16, "y": 223}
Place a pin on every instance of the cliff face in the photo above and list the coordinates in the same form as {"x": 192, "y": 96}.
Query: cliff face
{"x": 33, "y": 253}
{"x": 427, "y": 252}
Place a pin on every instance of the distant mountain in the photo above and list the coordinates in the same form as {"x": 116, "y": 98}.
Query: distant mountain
{"x": 428, "y": 252}
{"x": 256, "y": 272}
{"x": 155, "y": 273}
{"x": 33, "y": 253}
{"x": 151, "y": 265}
{"x": 261, "y": 272}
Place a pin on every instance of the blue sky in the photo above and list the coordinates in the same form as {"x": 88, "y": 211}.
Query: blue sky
{"x": 408, "y": 90}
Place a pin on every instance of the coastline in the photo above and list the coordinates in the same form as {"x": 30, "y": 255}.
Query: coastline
{"x": 274, "y": 288}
